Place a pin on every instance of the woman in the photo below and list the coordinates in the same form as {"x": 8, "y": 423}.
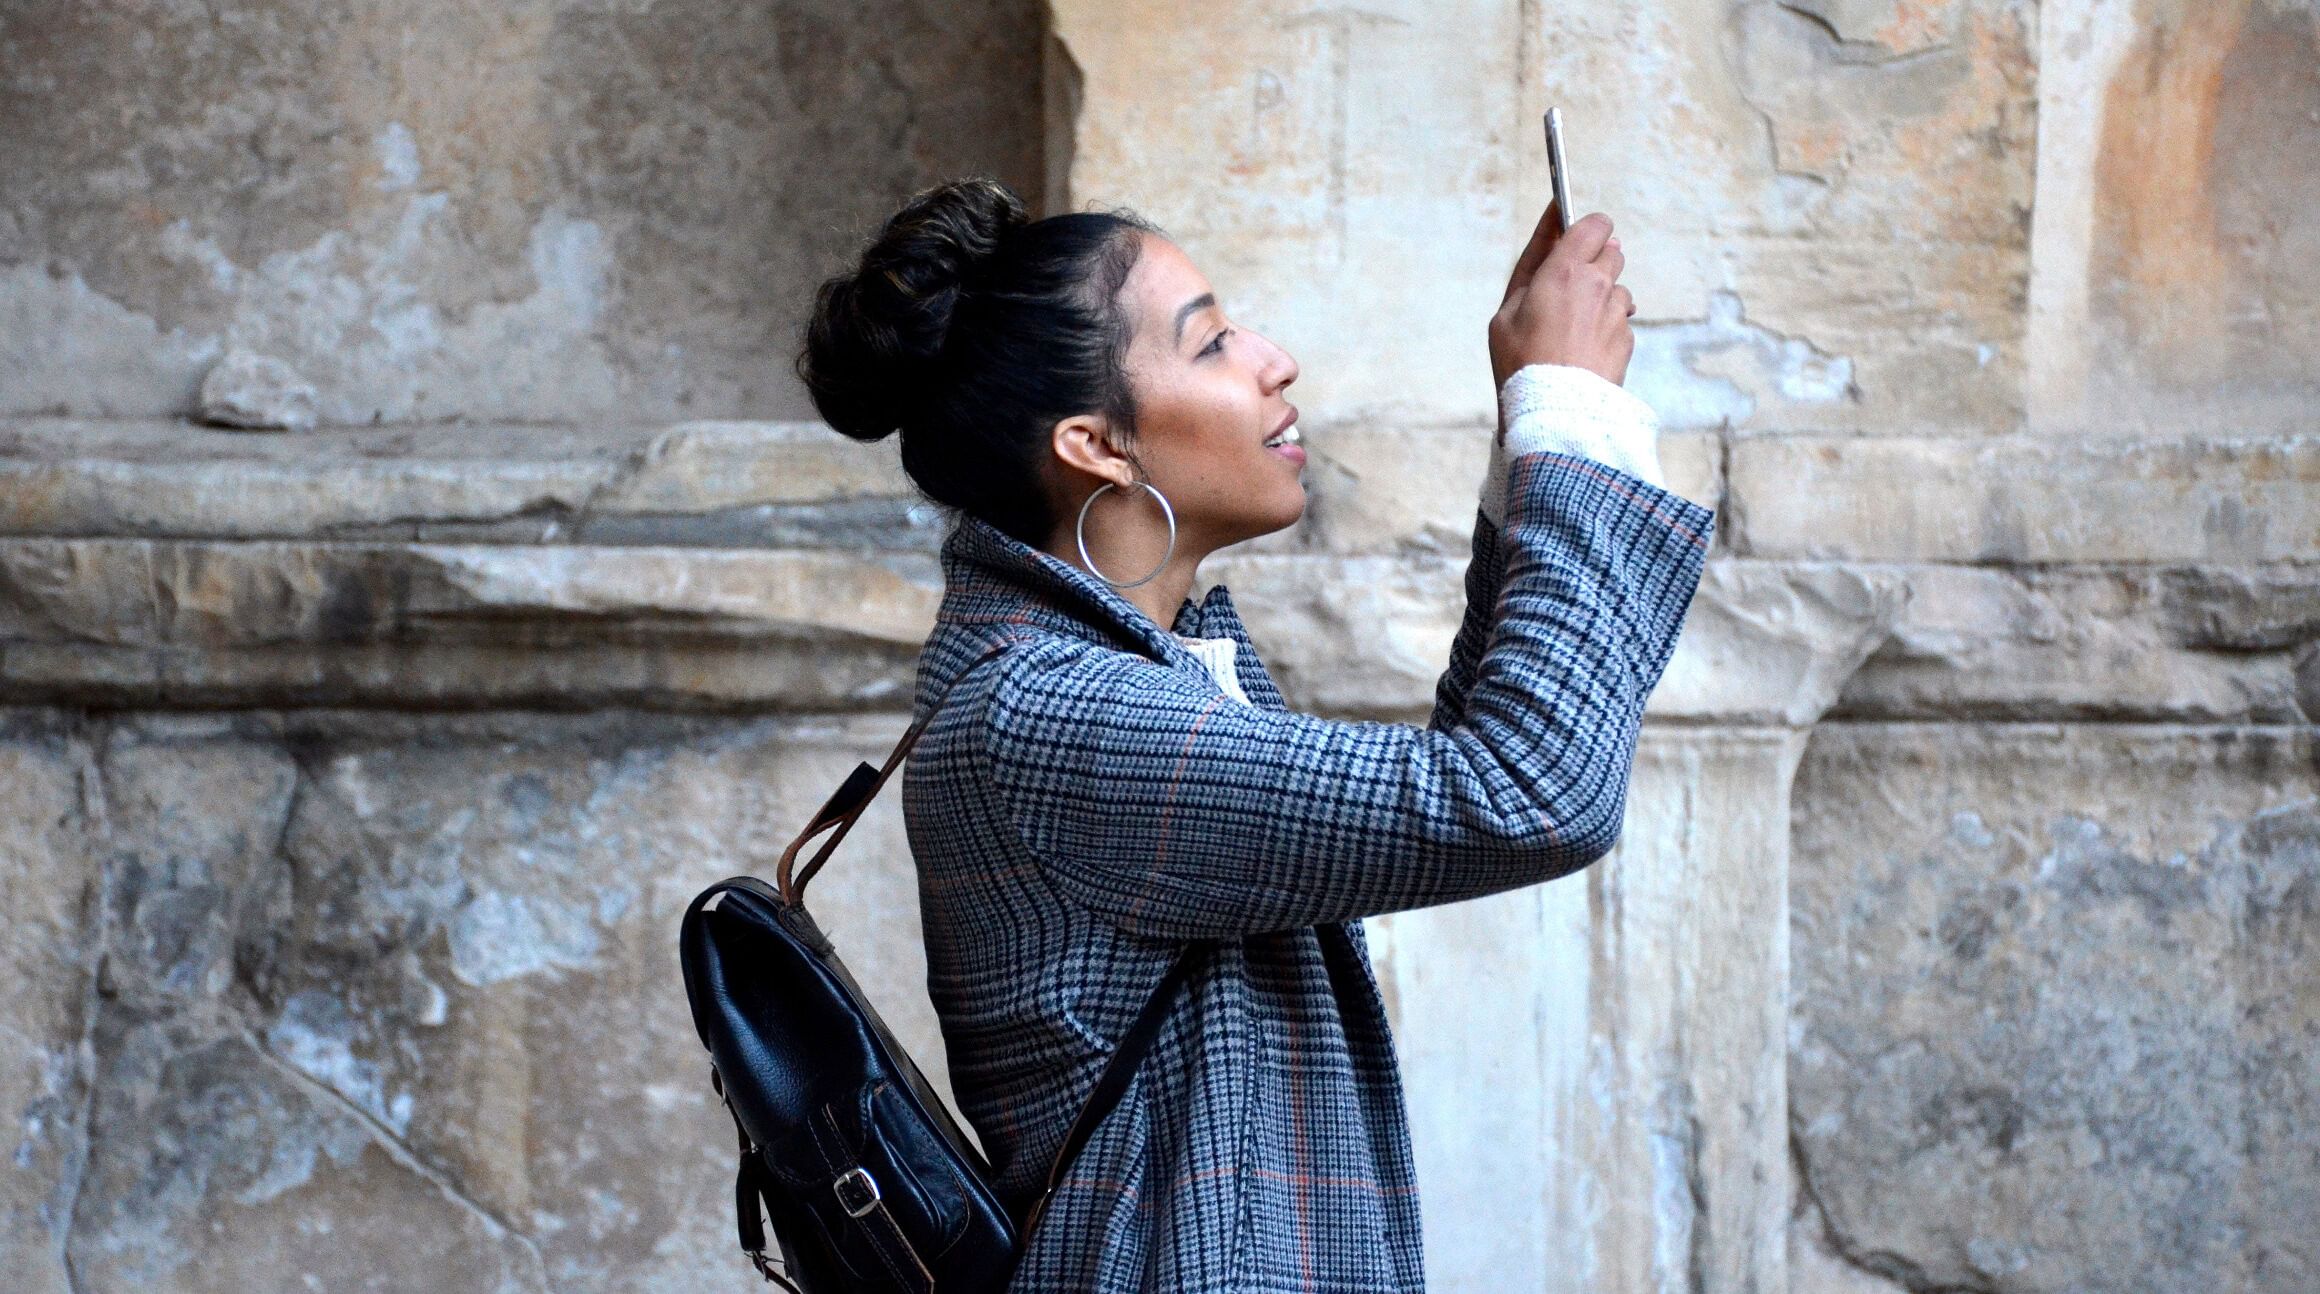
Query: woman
{"x": 1123, "y": 778}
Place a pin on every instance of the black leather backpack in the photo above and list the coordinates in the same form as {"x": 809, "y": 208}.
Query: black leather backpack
{"x": 864, "y": 1174}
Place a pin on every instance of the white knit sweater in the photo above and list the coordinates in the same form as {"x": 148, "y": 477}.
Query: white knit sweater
{"x": 1542, "y": 407}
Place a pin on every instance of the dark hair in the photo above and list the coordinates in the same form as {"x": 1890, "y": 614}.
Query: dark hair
{"x": 973, "y": 330}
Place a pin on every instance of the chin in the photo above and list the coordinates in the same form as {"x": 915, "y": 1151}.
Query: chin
{"x": 1289, "y": 515}
{"x": 1277, "y": 514}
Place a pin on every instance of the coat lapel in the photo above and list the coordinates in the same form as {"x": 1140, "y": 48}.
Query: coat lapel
{"x": 992, "y": 580}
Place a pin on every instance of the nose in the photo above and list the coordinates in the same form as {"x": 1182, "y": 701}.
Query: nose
{"x": 1281, "y": 370}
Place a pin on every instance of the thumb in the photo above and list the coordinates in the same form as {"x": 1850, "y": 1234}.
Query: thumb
{"x": 1543, "y": 240}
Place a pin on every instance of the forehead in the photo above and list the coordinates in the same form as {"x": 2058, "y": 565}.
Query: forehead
{"x": 1163, "y": 279}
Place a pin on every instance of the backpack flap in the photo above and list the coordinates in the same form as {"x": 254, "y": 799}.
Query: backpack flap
{"x": 869, "y": 1181}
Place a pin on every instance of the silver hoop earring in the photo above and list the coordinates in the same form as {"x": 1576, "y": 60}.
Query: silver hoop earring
{"x": 1080, "y": 532}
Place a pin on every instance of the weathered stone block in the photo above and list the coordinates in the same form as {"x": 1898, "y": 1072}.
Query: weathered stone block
{"x": 726, "y": 484}
{"x": 2176, "y": 286}
{"x": 1397, "y": 210}
{"x": 1773, "y": 643}
{"x": 2023, "y": 499}
{"x": 1613, "y": 1041}
{"x": 50, "y": 931}
{"x": 370, "y": 977}
{"x": 2139, "y": 644}
{"x": 2054, "y": 1017}
{"x": 540, "y": 211}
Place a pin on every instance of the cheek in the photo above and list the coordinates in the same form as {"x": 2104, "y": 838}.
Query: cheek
{"x": 1211, "y": 422}
{"x": 1235, "y": 407}
{"x": 1211, "y": 417}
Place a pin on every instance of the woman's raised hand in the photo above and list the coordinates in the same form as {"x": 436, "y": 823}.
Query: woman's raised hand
{"x": 1564, "y": 303}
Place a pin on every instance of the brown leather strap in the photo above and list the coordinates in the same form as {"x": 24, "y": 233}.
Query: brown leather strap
{"x": 887, "y": 1240}
{"x": 846, "y": 804}
{"x": 844, "y": 807}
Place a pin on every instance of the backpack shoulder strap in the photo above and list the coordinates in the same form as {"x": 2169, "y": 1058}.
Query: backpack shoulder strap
{"x": 860, "y": 787}
{"x": 1113, "y": 1083}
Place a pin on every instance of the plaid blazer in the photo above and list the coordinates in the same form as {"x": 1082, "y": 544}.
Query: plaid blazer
{"x": 1090, "y": 799}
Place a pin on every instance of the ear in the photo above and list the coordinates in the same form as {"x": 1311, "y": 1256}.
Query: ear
{"x": 1084, "y": 441}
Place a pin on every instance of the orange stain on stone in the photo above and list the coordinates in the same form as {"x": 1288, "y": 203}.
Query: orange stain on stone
{"x": 2158, "y": 266}
{"x": 1914, "y": 25}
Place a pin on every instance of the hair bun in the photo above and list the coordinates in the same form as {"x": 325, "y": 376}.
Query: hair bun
{"x": 877, "y": 330}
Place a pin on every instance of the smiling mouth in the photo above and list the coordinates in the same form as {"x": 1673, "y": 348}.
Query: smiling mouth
{"x": 1285, "y": 436}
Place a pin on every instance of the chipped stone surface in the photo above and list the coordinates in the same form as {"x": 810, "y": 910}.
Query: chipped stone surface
{"x": 260, "y": 392}
{"x": 195, "y": 595}
{"x": 1720, "y": 371}
{"x": 711, "y": 484}
{"x": 1769, "y": 644}
{"x": 145, "y": 622}
{"x": 728, "y": 484}
{"x": 418, "y": 625}
{"x": 1857, "y": 181}
{"x": 366, "y": 977}
{"x": 540, "y": 211}
{"x": 49, "y": 937}
{"x": 2139, "y": 644}
{"x": 222, "y": 1172}
{"x": 2054, "y": 1020}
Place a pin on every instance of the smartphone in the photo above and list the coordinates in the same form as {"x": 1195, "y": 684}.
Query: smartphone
{"x": 1558, "y": 171}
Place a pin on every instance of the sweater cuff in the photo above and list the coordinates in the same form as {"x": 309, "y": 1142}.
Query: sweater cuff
{"x": 1570, "y": 410}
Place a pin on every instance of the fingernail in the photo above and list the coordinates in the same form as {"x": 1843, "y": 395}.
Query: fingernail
{"x": 1614, "y": 241}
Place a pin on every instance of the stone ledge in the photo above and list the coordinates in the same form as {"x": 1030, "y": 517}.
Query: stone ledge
{"x": 2023, "y": 499}
{"x": 716, "y": 484}
{"x": 198, "y": 623}
{"x": 1372, "y": 487}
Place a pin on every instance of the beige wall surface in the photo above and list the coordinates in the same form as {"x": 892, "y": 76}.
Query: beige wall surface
{"x": 539, "y": 211}
{"x": 354, "y": 776}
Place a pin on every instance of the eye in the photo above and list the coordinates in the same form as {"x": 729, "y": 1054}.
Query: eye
{"x": 1217, "y": 345}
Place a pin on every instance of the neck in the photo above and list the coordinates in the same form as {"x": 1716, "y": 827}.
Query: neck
{"x": 1126, "y": 557}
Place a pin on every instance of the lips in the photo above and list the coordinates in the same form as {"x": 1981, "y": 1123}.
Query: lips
{"x": 1284, "y": 439}
{"x": 1283, "y": 432}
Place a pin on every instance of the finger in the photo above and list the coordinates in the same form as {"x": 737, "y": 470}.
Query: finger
{"x": 1625, "y": 298}
{"x": 1584, "y": 240}
{"x": 1612, "y": 260}
{"x": 1533, "y": 253}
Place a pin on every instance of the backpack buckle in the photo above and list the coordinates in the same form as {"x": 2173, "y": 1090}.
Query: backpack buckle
{"x": 864, "y": 1184}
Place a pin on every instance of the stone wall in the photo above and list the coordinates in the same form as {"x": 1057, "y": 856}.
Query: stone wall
{"x": 355, "y": 777}
{"x": 547, "y": 211}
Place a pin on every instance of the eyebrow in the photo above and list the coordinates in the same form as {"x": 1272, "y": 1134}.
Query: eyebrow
{"x": 1184, "y": 312}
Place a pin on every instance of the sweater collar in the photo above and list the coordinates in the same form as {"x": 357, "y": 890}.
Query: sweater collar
{"x": 992, "y": 579}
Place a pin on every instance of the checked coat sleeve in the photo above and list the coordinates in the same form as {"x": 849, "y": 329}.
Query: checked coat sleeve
{"x": 1556, "y": 407}
{"x": 1151, "y": 799}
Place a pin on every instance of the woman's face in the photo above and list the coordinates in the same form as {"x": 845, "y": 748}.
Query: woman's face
{"x": 1208, "y": 394}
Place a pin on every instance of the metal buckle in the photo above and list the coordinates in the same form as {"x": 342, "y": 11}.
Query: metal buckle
{"x": 868, "y": 1183}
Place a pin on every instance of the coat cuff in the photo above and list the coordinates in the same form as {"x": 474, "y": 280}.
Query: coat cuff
{"x": 1570, "y": 410}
